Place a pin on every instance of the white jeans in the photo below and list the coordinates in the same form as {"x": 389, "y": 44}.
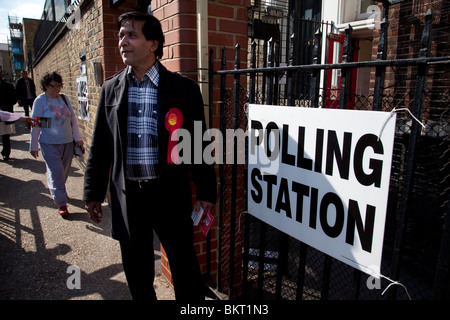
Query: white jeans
{"x": 58, "y": 159}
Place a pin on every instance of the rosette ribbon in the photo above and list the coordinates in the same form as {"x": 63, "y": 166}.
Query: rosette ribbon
{"x": 173, "y": 122}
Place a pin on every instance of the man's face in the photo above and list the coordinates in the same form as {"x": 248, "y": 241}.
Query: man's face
{"x": 135, "y": 50}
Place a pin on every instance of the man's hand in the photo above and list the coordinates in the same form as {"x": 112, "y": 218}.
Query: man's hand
{"x": 207, "y": 206}
{"x": 94, "y": 209}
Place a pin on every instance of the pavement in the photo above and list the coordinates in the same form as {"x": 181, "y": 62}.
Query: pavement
{"x": 46, "y": 257}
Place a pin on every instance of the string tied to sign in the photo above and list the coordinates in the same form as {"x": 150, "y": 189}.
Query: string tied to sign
{"x": 392, "y": 113}
{"x": 392, "y": 283}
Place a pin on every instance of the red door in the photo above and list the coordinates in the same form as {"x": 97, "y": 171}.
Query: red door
{"x": 332, "y": 91}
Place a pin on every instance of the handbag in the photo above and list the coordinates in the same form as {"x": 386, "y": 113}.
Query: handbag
{"x": 78, "y": 151}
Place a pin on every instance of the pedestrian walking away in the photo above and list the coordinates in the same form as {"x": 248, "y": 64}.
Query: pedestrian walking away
{"x": 25, "y": 92}
{"x": 55, "y": 129}
{"x": 129, "y": 153}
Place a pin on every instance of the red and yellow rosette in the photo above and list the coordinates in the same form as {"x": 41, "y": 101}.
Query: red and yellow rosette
{"x": 173, "y": 122}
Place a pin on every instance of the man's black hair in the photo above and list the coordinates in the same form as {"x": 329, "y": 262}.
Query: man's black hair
{"x": 151, "y": 29}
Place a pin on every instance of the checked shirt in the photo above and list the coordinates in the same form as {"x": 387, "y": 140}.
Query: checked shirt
{"x": 142, "y": 150}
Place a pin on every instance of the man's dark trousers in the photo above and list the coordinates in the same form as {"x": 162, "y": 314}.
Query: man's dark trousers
{"x": 6, "y": 151}
{"x": 27, "y": 105}
{"x": 151, "y": 208}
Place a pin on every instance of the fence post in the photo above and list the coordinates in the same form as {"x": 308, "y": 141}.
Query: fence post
{"x": 290, "y": 93}
{"x": 381, "y": 55}
{"x": 441, "y": 280}
{"x": 210, "y": 102}
{"x": 326, "y": 277}
{"x": 245, "y": 255}
{"x": 269, "y": 77}
{"x": 357, "y": 274}
{"x": 303, "y": 248}
{"x": 419, "y": 98}
{"x": 276, "y": 51}
{"x": 236, "y": 102}
{"x": 346, "y": 78}
{"x": 221, "y": 172}
{"x": 282, "y": 262}
{"x": 211, "y": 86}
{"x": 315, "y": 77}
{"x": 251, "y": 96}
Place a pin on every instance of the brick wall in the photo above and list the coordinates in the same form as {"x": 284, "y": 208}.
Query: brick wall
{"x": 227, "y": 22}
{"x": 406, "y": 24}
{"x": 96, "y": 34}
{"x": 29, "y": 27}
{"x": 63, "y": 57}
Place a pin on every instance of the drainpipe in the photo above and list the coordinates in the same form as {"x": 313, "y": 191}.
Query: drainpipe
{"x": 202, "y": 53}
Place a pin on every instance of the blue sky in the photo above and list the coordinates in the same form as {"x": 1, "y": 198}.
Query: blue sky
{"x": 20, "y": 8}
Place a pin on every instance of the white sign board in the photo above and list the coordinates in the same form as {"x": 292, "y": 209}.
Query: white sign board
{"x": 322, "y": 176}
{"x": 82, "y": 96}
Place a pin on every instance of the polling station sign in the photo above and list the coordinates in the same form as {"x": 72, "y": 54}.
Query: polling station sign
{"x": 322, "y": 176}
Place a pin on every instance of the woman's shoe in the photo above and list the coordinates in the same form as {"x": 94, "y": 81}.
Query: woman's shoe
{"x": 63, "y": 211}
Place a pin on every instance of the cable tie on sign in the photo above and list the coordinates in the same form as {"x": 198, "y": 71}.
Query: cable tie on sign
{"x": 393, "y": 282}
{"x": 390, "y": 115}
{"x": 239, "y": 220}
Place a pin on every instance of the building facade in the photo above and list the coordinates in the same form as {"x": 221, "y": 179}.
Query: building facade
{"x": 6, "y": 62}
{"x": 80, "y": 42}
{"x": 78, "y": 39}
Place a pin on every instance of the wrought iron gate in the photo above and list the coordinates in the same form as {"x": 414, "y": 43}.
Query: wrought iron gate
{"x": 256, "y": 261}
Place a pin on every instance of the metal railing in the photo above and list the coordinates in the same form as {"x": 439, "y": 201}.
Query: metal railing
{"x": 257, "y": 261}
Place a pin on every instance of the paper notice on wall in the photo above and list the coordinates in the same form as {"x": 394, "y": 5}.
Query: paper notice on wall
{"x": 82, "y": 98}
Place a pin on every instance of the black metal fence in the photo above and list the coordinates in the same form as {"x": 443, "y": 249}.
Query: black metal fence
{"x": 257, "y": 261}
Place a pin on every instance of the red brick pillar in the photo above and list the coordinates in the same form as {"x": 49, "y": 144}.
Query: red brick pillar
{"x": 107, "y": 21}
